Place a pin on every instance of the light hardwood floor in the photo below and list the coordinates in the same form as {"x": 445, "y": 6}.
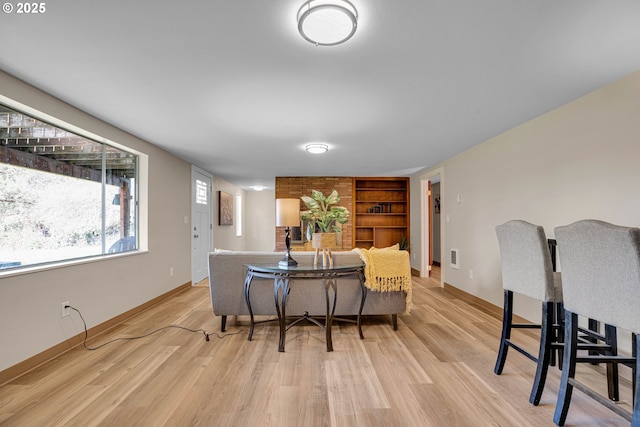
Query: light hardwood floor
{"x": 436, "y": 370}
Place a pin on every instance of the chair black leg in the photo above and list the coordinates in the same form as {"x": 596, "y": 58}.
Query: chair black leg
{"x": 507, "y": 316}
{"x": 554, "y": 331}
{"x": 634, "y": 369}
{"x": 568, "y": 367}
{"x": 593, "y": 325}
{"x": 635, "y": 419}
{"x": 611, "y": 337}
{"x": 544, "y": 354}
{"x": 558, "y": 331}
{"x": 394, "y": 321}
{"x": 223, "y": 323}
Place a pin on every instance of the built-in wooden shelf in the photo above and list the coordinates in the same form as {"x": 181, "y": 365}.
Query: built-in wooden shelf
{"x": 381, "y": 211}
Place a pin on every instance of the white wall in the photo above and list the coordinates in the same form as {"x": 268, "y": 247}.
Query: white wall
{"x": 30, "y": 303}
{"x": 261, "y": 221}
{"x": 258, "y": 212}
{"x": 224, "y": 236}
{"x": 579, "y": 161}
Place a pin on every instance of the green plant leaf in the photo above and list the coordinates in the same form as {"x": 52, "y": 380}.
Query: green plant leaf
{"x": 317, "y": 195}
{"x": 333, "y": 198}
{"x": 310, "y": 203}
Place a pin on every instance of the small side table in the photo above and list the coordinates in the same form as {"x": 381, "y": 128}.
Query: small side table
{"x": 281, "y": 277}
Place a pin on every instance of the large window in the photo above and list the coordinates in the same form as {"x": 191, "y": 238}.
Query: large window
{"x": 63, "y": 196}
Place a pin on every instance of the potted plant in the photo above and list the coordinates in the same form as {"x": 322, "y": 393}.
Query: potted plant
{"x": 324, "y": 215}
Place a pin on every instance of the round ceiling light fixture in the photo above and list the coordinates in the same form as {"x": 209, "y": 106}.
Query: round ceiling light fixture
{"x": 327, "y": 22}
{"x": 316, "y": 148}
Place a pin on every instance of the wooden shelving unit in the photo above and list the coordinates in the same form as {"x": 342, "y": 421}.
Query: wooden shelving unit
{"x": 381, "y": 207}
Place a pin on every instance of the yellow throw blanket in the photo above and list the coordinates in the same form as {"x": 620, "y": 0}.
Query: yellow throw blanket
{"x": 387, "y": 270}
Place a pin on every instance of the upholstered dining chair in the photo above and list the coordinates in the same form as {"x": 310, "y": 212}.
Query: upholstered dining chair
{"x": 527, "y": 270}
{"x": 601, "y": 280}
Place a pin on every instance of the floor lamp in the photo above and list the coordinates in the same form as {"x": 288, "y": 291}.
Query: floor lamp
{"x": 288, "y": 215}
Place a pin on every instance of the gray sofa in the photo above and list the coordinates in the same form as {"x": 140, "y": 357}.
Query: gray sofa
{"x": 227, "y": 272}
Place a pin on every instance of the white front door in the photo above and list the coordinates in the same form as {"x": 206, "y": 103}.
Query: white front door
{"x": 201, "y": 223}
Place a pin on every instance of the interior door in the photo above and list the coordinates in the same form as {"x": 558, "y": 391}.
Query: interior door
{"x": 201, "y": 224}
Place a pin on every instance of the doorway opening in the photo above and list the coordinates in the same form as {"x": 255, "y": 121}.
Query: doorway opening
{"x": 432, "y": 227}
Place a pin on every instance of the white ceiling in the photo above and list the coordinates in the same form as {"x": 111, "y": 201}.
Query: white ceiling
{"x": 231, "y": 86}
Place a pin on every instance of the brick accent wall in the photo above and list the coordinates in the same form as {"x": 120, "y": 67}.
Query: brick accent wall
{"x": 295, "y": 187}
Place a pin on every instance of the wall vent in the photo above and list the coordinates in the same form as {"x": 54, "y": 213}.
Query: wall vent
{"x": 454, "y": 260}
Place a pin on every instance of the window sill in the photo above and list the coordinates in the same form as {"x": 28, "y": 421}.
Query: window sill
{"x": 64, "y": 264}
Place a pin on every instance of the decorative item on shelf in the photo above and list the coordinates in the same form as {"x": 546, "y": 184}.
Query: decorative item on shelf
{"x": 324, "y": 218}
{"x": 403, "y": 244}
{"x": 380, "y": 208}
{"x": 287, "y": 215}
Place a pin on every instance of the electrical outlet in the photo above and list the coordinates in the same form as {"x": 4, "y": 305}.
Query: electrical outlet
{"x": 171, "y": 272}
{"x": 65, "y": 309}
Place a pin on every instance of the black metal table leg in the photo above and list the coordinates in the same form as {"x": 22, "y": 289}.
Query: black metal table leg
{"x": 247, "y": 288}
{"x": 281, "y": 284}
{"x": 364, "y": 298}
{"x": 331, "y": 298}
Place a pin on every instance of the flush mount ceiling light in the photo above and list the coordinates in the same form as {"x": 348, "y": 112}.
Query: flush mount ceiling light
{"x": 327, "y": 22}
{"x": 316, "y": 148}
